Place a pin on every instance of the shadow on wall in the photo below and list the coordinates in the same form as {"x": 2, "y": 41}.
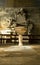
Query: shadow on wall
{"x": 35, "y": 16}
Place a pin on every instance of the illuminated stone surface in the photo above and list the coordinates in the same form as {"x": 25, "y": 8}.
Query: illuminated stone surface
{"x": 29, "y": 55}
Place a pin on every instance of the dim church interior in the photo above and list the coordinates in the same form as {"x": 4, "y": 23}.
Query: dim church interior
{"x": 34, "y": 15}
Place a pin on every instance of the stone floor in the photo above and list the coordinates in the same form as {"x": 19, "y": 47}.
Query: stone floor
{"x": 24, "y": 55}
